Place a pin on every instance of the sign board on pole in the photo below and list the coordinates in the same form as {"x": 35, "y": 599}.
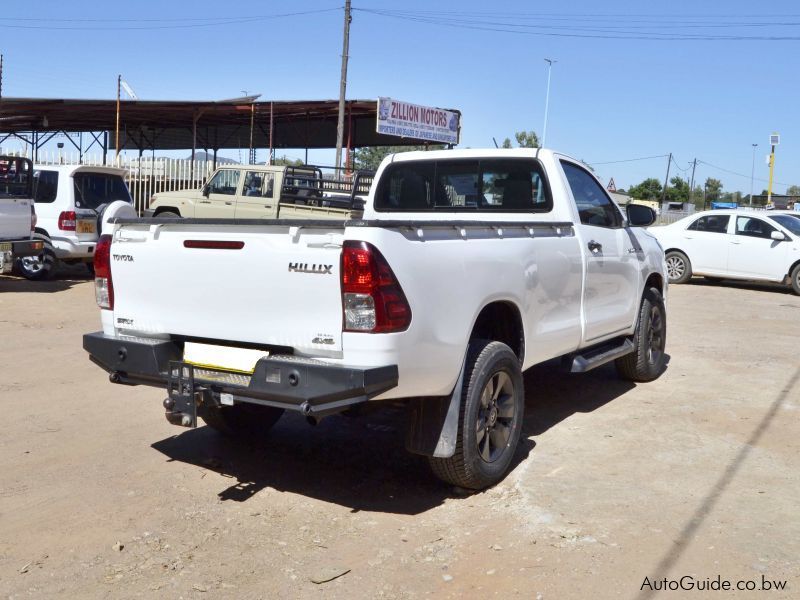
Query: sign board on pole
{"x": 774, "y": 139}
{"x": 611, "y": 187}
{"x": 426, "y": 123}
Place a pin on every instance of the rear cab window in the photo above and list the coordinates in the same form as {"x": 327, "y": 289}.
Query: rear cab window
{"x": 491, "y": 185}
{"x": 93, "y": 190}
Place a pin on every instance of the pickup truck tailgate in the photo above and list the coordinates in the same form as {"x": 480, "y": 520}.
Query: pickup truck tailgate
{"x": 260, "y": 284}
{"x": 15, "y": 218}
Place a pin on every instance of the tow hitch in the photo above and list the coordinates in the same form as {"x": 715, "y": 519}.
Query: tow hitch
{"x": 183, "y": 396}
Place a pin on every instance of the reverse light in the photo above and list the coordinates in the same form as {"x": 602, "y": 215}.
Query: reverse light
{"x": 372, "y": 299}
{"x": 67, "y": 220}
{"x": 103, "y": 285}
{"x": 34, "y": 219}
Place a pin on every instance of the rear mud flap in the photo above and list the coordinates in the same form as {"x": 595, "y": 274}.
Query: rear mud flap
{"x": 433, "y": 426}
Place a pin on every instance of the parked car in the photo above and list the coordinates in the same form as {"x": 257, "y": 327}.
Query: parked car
{"x": 733, "y": 244}
{"x": 17, "y": 216}
{"x": 467, "y": 267}
{"x": 69, "y": 204}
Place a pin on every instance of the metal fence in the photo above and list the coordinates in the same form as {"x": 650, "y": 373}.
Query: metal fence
{"x": 144, "y": 176}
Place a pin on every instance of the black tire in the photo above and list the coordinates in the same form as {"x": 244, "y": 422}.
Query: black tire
{"x": 795, "y": 278}
{"x": 41, "y": 267}
{"x": 241, "y": 420}
{"x": 679, "y": 269}
{"x": 168, "y": 214}
{"x": 647, "y": 361}
{"x": 490, "y": 418}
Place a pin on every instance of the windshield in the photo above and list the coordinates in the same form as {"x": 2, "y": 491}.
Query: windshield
{"x": 790, "y": 222}
{"x": 95, "y": 189}
{"x": 15, "y": 177}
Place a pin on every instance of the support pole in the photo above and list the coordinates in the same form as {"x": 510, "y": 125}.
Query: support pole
{"x": 343, "y": 84}
{"x": 691, "y": 184}
{"x": 116, "y": 129}
{"x": 252, "y": 121}
{"x": 271, "y": 126}
{"x": 771, "y": 173}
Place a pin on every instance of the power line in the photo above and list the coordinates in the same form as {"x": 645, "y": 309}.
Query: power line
{"x": 176, "y": 23}
{"x": 702, "y": 162}
{"x": 611, "y": 162}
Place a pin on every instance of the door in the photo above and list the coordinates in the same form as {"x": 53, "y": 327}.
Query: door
{"x": 611, "y": 284}
{"x": 219, "y": 195}
{"x": 706, "y": 242}
{"x": 754, "y": 254}
{"x": 257, "y": 200}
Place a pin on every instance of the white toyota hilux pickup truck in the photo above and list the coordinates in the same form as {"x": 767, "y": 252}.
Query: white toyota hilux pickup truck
{"x": 467, "y": 267}
{"x": 17, "y": 216}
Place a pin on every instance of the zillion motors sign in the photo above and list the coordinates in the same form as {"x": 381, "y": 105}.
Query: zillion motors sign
{"x": 419, "y": 122}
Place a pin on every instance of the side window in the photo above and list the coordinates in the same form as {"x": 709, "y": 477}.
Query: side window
{"x": 711, "y": 224}
{"x": 45, "y": 186}
{"x": 594, "y": 205}
{"x": 224, "y": 182}
{"x": 753, "y": 227}
{"x": 258, "y": 183}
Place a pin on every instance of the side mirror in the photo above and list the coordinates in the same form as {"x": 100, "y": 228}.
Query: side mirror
{"x": 206, "y": 190}
{"x": 778, "y": 236}
{"x": 640, "y": 215}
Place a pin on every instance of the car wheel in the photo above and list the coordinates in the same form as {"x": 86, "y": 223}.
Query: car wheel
{"x": 679, "y": 269}
{"x": 168, "y": 214}
{"x": 241, "y": 420}
{"x": 490, "y": 418}
{"x": 796, "y": 280}
{"x": 41, "y": 266}
{"x": 647, "y": 360}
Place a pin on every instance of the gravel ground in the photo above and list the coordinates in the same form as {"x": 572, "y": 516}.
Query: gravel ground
{"x": 695, "y": 475}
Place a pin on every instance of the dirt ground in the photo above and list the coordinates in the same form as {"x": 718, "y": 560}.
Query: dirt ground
{"x": 695, "y": 475}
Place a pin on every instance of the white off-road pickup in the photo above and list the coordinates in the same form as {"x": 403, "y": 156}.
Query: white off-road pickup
{"x": 467, "y": 267}
{"x": 17, "y": 216}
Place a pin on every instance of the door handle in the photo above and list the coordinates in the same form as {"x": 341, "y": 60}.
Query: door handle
{"x": 228, "y": 203}
{"x": 205, "y": 201}
{"x": 595, "y": 247}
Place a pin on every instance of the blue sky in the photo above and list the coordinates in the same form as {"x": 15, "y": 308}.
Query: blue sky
{"x": 611, "y": 99}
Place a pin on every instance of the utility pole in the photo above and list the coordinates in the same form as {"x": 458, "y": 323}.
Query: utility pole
{"x": 691, "y": 184}
{"x": 666, "y": 180}
{"x": 547, "y": 97}
{"x": 752, "y": 172}
{"x": 343, "y": 84}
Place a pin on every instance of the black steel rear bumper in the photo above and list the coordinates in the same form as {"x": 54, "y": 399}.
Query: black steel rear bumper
{"x": 312, "y": 387}
{"x": 26, "y": 248}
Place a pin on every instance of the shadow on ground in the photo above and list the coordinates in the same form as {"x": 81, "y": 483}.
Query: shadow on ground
{"x": 360, "y": 462}
{"x": 756, "y": 286}
{"x": 65, "y": 277}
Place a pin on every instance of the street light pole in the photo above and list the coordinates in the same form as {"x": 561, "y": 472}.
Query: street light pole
{"x": 547, "y": 97}
{"x": 752, "y": 171}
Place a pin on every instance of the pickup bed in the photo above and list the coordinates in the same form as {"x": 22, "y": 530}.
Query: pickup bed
{"x": 467, "y": 267}
{"x": 17, "y": 216}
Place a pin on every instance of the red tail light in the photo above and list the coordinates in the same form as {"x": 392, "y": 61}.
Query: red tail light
{"x": 67, "y": 220}
{"x": 103, "y": 285}
{"x": 372, "y": 298}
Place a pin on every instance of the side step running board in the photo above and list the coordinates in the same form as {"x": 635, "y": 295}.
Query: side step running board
{"x": 599, "y": 355}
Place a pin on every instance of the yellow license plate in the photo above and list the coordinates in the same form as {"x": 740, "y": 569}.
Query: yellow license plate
{"x": 5, "y": 246}
{"x": 86, "y": 227}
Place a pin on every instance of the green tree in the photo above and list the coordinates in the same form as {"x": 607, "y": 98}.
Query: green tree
{"x": 369, "y": 157}
{"x": 649, "y": 189}
{"x": 525, "y": 139}
{"x": 678, "y": 190}
{"x": 793, "y": 190}
{"x": 284, "y": 161}
{"x": 713, "y": 189}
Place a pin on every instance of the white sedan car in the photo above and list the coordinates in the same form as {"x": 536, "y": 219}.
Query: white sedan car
{"x": 733, "y": 244}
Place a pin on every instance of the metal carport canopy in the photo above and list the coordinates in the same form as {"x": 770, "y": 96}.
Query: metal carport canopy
{"x": 169, "y": 124}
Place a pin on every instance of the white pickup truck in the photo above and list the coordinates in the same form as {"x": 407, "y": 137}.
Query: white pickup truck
{"x": 468, "y": 267}
{"x": 17, "y": 216}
